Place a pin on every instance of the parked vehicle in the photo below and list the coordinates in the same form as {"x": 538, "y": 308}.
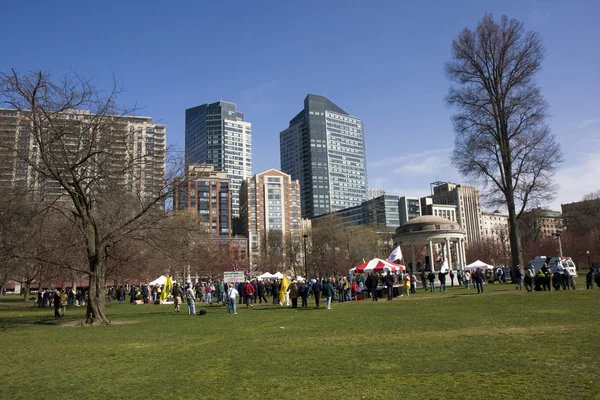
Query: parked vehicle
{"x": 553, "y": 262}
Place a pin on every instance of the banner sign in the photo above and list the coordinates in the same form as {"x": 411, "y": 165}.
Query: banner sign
{"x": 231, "y": 277}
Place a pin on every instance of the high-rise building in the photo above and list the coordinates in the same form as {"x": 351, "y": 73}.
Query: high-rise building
{"x": 269, "y": 201}
{"x": 217, "y": 134}
{"x": 207, "y": 193}
{"x": 467, "y": 202}
{"x": 372, "y": 193}
{"x": 324, "y": 149}
{"x": 448, "y": 211}
{"x": 136, "y": 162}
{"x": 380, "y": 213}
{"x": 410, "y": 207}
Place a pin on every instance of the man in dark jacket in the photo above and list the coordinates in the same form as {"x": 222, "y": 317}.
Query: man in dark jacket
{"x": 275, "y": 291}
{"x": 316, "y": 288}
{"x": 431, "y": 279}
{"x": 389, "y": 283}
{"x": 261, "y": 292}
{"x": 328, "y": 291}
{"x": 479, "y": 280}
{"x": 372, "y": 284}
{"x": 303, "y": 293}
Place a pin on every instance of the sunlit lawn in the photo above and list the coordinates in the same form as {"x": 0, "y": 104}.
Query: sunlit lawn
{"x": 503, "y": 344}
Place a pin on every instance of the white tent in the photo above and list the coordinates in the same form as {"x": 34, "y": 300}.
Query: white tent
{"x": 266, "y": 275}
{"x": 479, "y": 264}
{"x": 158, "y": 281}
{"x": 299, "y": 278}
{"x": 278, "y": 275}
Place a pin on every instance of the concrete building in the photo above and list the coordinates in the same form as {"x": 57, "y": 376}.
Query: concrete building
{"x": 218, "y": 134}
{"x": 428, "y": 207}
{"x": 373, "y": 193}
{"x": 494, "y": 226}
{"x": 270, "y": 201}
{"x": 468, "y": 206}
{"x": 410, "y": 207}
{"x": 381, "y": 212}
{"x": 539, "y": 224}
{"x": 324, "y": 149}
{"x": 137, "y": 149}
{"x": 206, "y": 193}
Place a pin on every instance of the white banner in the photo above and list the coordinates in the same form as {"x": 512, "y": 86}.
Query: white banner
{"x": 232, "y": 277}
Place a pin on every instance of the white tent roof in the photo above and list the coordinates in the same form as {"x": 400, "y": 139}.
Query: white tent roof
{"x": 299, "y": 278}
{"x": 266, "y": 275}
{"x": 158, "y": 281}
{"x": 278, "y": 275}
{"x": 479, "y": 264}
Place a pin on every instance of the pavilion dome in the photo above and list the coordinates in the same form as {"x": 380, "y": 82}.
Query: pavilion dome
{"x": 428, "y": 223}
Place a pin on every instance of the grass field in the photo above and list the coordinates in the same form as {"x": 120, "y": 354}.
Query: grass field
{"x": 501, "y": 345}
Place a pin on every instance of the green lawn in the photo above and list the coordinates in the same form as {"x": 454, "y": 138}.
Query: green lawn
{"x": 501, "y": 345}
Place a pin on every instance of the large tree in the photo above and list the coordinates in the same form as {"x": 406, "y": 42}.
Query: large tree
{"x": 502, "y": 139}
{"x": 79, "y": 136}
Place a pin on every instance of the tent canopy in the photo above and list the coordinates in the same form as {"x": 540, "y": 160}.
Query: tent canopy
{"x": 278, "y": 275}
{"x": 479, "y": 264}
{"x": 377, "y": 265}
{"x": 266, "y": 275}
{"x": 158, "y": 281}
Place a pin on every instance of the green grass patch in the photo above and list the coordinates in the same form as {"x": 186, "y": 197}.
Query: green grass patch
{"x": 452, "y": 345}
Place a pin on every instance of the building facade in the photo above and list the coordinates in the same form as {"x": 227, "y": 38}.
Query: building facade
{"x": 538, "y": 224}
{"x": 380, "y": 213}
{"x": 410, "y": 207}
{"x": 372, "y": 193}
{"x": 136, "y": 161}
{"x": 324, "y": 149}
{"x": 468, "y": 206}
{"x": 494, "y": 226}
{"x": 270, "y": 201}
{"x": 206, "y": 193}
{"x": 218, "y": 134}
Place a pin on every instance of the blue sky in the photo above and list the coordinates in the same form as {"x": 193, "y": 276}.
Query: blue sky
{"x": 382, "y": 61}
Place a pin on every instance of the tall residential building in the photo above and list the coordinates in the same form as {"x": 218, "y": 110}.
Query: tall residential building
{"x": 410, "y": 207}
{"x": 207, "y": 193}
{"x": 372, "y": 193}
{"x": 494, "y": 226}
{"x": 467, "y": 200}
{"x": 137, "y": 148}
{"x": 217, "y": 134}
{"x": 269, "y": 201}
{"x": 381, "y": 212}
{"x": 324, "y": 149}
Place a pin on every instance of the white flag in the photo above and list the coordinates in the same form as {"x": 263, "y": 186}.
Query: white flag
{"x": 395, "y": 255}
{"x": 444, "y": 267}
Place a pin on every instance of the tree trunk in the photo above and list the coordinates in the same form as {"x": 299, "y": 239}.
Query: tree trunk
{"x": 95, "y": 305}
{"x": 513, "y": 234}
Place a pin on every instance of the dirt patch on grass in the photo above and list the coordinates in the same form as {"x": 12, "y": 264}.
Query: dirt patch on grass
{"x": 73, "y": 324}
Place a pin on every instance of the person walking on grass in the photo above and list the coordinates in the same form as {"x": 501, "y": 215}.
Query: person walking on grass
{"x": 479, "y": 280}
{"x": 519, "y": 277}
{"x": 431, "y": 279}
{"x": 424, "y": 280}
{"x": 467, "y": 279}
{"x": 177, "y": 297}
{"x": 190, "y": 296}
{"x": 249, "y": 294}
{"x": 208, "y": 294}
{"x": 316, "y": 289}
{"x": 232, "y": 295}
{"x": 275, "y": 291}
{"x": 372, "y": 285}
{"x": 261, "y": 291}
{"x": 328, "y": 290}
{"x": 442, "y": 278}
{"x": 303, "y": 291}
{"x": 294, "y": 294}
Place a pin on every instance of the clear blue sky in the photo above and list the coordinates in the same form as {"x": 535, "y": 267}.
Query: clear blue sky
{"x": 381, "y": 61}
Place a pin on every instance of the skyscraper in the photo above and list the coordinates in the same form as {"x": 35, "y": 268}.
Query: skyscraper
{"x": 324, "y": 149}
{"x": 217, "y": 134}
{"x": 467, "y": 200}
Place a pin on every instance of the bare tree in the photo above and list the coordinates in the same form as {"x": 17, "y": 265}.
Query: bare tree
{"x": 79, "y": 136}
{"x": 502, "y": 139}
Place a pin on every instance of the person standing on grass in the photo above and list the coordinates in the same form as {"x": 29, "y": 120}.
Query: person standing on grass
{"x": 261, "y": 291}
{"x": 467, "y": 279}
{"x": 56, "y": 298}
{"x": 479, "y": 280}
{"x": 248, "y": 294}
{"x": 232, "y": 295}
{"x": 407, "y": 283}
{"x": 519, "y": 277}
{"x": 354, "y": 290}
{"x": 389, "y": 284}
{"x": 208, "y": 294}
{"x": 452, "y": 278}
{"x": 190, "y": 297}
{"x": 255, "y": 286}
{"x": 424, "y": 280}
{"x": 303, "y": 291}
{"x": 316, "y": 289}
{"x": 294, "y": 294}
{"x": 328, "y": 290}
{"x": 442, "y": 278}
{"x": 177, "y": 297}
{"x": 275, "y": 291}
{"x": 372, "y": 286}
{"x": 111, "y": 292}
{"x": 431, "y": 279}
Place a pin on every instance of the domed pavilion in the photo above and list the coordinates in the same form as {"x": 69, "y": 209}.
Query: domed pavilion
{"x": 429, "y": 230}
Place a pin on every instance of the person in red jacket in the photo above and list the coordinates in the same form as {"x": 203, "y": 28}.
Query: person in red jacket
{"x": 249, "y": 294}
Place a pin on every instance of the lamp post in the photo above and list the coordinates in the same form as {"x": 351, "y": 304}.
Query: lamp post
{"x": 559, "y": 230}
{"x": 305, "y": 270}
{"x": 589, "y": 261}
